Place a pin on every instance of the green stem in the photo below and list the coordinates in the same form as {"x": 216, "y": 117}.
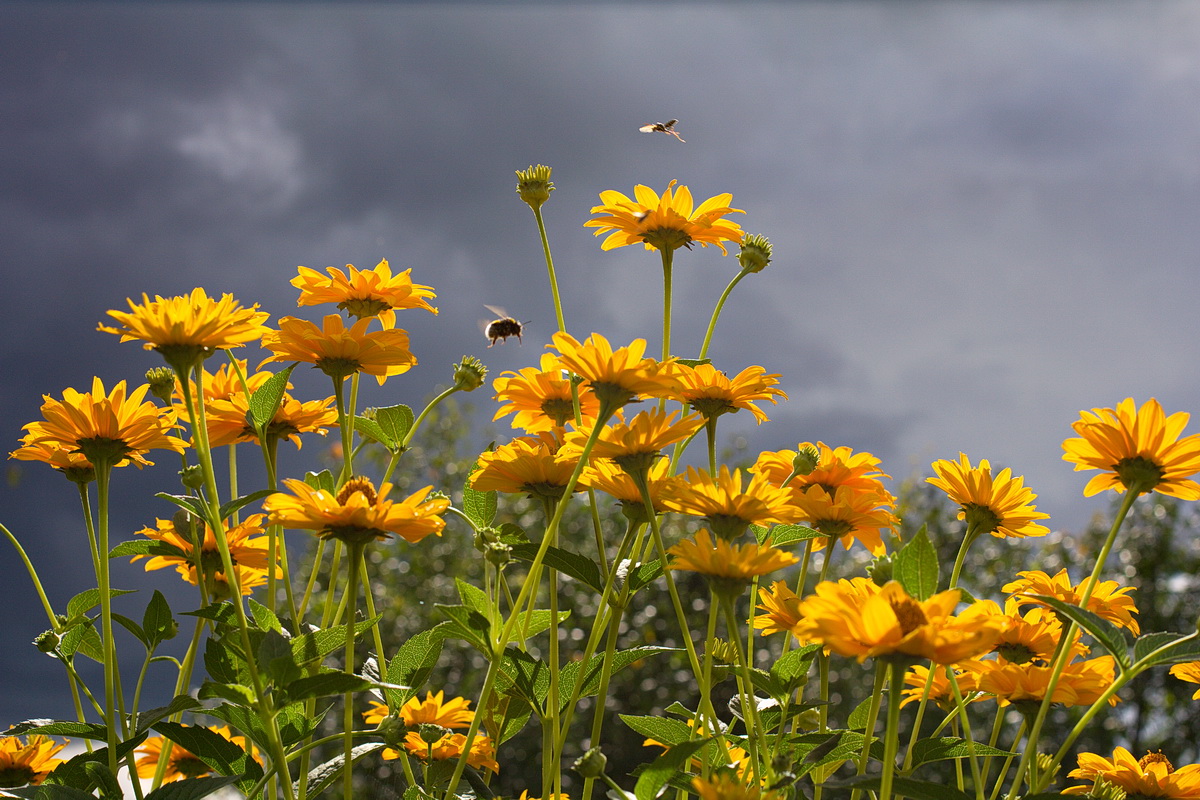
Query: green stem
{"x": 961, "y": 706}
{"x": 424, "y": 413}
{"x": 33, "y": 575}
{"x": 668, "y": 256}
{"x": 892, "y": 734}
{"x": 345, "y": 428}
{"x": 353, "y": 565}
{"x": 755, "y": 742}
{"x": 558, "y": 312}
{"x": 103, "y": 473}
{"x": 872, "y": 717}
{"x": 712, "y": 324}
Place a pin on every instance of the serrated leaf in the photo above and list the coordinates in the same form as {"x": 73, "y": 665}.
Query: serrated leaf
{"x": 238, "y": 503}
{"x": 915, "y": 566}
{"x": 655, "y": 776}
{"x": 145, "y": 547}
{"x": 222, "y": 613}
{"x": 264, "y": 617}
{"x": 179, "y": 703}
{"x": 86, "y": 600}
{"x": 469, "y": 625}
{"x": 275, "y": 656}
{"x": 323, "y": 480}
{"x": 907, "y": 787}
{"x": 1104, "y": 632}
{"x": 219, "y": 753}
{"x": 324, "y": 684}
{"x": 669, "y": 732}
{"x": 265, "y": 401}
{"x": 783, "y": 535}
{"x": 948, "y": 747}
{"x": 82, "y": 638}
{"x": 791, "y": 669}
{"x": 224, "y": 664}
{"x": 643, "y": 575}
{"x": 157, "y": 622}
{"x": 102, "y": 778}
{"x": 131, "y": 626}
{"x": 371, "y": 431}
{"x": 322, "y": 775}
{"x": 857, "y": 721}
{"x": 414, "y": 661}
{"x": 193, "y": 505}
{"x": 191, "y": 788}
{"x": 74, "y": 771}
{"x": 579, "y": 567}
{"x": 310, "y": 647}
{"x": 472, "y": 596}
{"x": 396, "y": 421}
{"x": 480, "y": 507}
{"x": 50, "y": 791}
{"x": 233, "y": 692}
{"x": 51, "y": 727}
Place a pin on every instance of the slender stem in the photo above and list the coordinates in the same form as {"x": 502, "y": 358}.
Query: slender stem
{"x": 710, "y": 430}
{"x": 345, "y": 428}
{"x": 961, "y": 706}
{"x": 103, "y": 473}
{"x": 668, "y": 256}
{"x": 754, "y": 731}
{"x": 353, "y": 565}
{"x": 872, "y": 717}
{"x": 424, "y": 413}
{"x": 892, "y": 734}
{"x": 712, "y": 324}
{"x": 558, "y": 312}
{"x": 33, "y": 575}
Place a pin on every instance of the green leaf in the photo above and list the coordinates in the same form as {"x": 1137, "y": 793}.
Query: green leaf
{"x": 643, "y": 575}
{"x": 946, "y": 747}
{"x": 1183, "y": 648}
{"x": 469, "y": 625}
{"x": 472, "y": 597}
{"x": 131, "y": 626}
{"x": 215, "y": 750}
{"x": 396, "y": 421}
{"x": 661, "y": 729}
{"x": 480, "y": 507}
{"x": 324, "y": 684}
{"x": 857, "y": 721}
{"x": 414, "y": 662}
{"x": 275, "y": 656}
{"x": 144, "y": 547}
{"x": 233, "y": 692}
{"x": 222, "y": 613}
{"x": 1107, "y": 635}
{"x": 224, "y": 663}
{"x": 264, "y": 617}
{"x": 157, "y": 622}
{"x": 525, "y": 676}
{"x": 914, "y": 789}
{"x": 82, "y": 638}
{"x": 620, "y": 660}
{"x": 916, "y": 566}
{"x": 75, "y": 773}
{"x": 102, "y": 778}
{"x": 193, "y": 505}
{"x": 321, "y": 776}
{"x": 238, "y": 503}
{"x": 321, "y": 480}
{"x": 50, "y": 791}
{"x": 579, "y": 567}
{"x": 179, "y": 703}
{"x": 666, "y": 766}
{"x": 791, "y": 670}
{"x": 86, "y": 600}
{"x": 50, "y": 727}
{"x": 191, "y": 789}
{"x": 266, "y": 399}
{"x": 370, "y": 430}
{"x": 783, "y": 535}
{"x": 310, "y": 647}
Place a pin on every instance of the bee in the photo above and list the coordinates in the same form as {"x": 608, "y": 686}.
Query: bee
{"x": 667, "y": 127}
{"x": 503, "y": 327}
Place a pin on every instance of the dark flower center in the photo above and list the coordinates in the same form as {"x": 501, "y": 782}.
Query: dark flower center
{"x": 908, "y": 613}
{"x": 357, "y": 485}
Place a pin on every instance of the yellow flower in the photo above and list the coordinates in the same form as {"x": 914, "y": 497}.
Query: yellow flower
{"x": 643, "y": 436}
{"x": 541, "y": 398}
{"x": 722, "y": 786}
{"x": 833, "y": 468}
{"x": 849, "y": 514}
{"x": 1189, "y": 672}
{"x": 525, "y": 796}
{"x": 435, "y": 710}
{"x": 940, "y": 691}
{"x": 357, "y": 514}
{"x": 1109, "y": 600}
{"x": 181, "y": 763}
{"x": 1031, "y": 637}
{"x": 664, "y": 223}
{"x": 112, "y": 426}
{"x": 712, "y": 393}
{"x": 1152, "y": 775}
{"x": 1081, "y": 682}
{"x": 782, "y": 608}
{"x": 27, "y": 762}
{"x": 73, "y": 465}
{"x": 228, "y": 424}
{"x": 535, "y": 465}
{"x": 339, "y": 352}
{"x": 605, "y": 476}
{"x": 1138, "y": 448}
{"x": 247, "y": 550}
{"x": 616, "y": 376}
{"x": 728, "y": 506}
{"x": 1000, "y": 505}
{"x": 364, "y": 292}
{"x": 889, "y": 623}
{"x": 720, "y": 559}
{"x": 194, "y": 323}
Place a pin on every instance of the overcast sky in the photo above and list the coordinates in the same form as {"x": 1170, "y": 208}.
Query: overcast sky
{"x": 983, "y": 213}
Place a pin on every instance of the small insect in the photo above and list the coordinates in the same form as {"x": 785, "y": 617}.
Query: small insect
{"x": 503, "y": 327}
{"x": 667, "y": 127}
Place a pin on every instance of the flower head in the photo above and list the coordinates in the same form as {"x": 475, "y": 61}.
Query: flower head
{"x": 834, "y": 467}
{"x": 181, "y": 763}
{"x": 605, "y": 476}
{"x": 636, "y": 443}
{"x": 712, "y": 393}
{"x": 535, "y": 465}
{"x": 188, "y": 327}
{"x": 664, "y": 223}
{"x": 887, "y": 622}
{"x": 940, "y": 691}
{"x": 1138, "y": 448}
{"x": 27, "y": 762}
{"x": 340, "y": 352}
{"x": 728, "y": 506}
{"x": 1189, "y": 672}
{"x": 436, "y": 711}
{"x": 115, "y": 427}
{"x": 247, "y": 549}
{"x": 722, "y": 560}
{"x": 848, "y": 513}
{"x": 1080, "y": 684}
{"x": 616, "y": 376}
{"x": 1000, "y": 505}
{"x": 1150, "y": 776}
{"x": 228, "y": 422}
{"x": 1109, "y": 599}
{"x": 723, "y": 786}
{"x": 357, "y": 513}
{"x": 534, "y": 185}
{"x": 541, "y": 398}
{"x": 781, "y": 607}
{"x": 364, "y": 293}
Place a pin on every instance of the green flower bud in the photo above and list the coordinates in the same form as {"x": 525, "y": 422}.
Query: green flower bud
{"x": 469, "y": 374}
{"x": 192, "y": 477}
{"x": 498, "y": 554}
{"x": 392, "y": 730}
{"x": 430, "y": 733}
{"x": 534, "y": 186}
{"x": 755, "y": 253}
{"x": 806, "y": 461}
{"x": 880, "y": 569}
{"x": 591, "y": 764}
{"x": 47, "y": 642}
{"x": 162, "y": 383}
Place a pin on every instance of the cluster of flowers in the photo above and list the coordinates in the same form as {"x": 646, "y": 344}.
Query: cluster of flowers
{"x": 579, "y": 433}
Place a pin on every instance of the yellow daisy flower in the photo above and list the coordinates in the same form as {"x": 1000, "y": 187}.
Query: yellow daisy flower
{"x": 1031, "y": 637}
{"x": 247, "y": 549}
{"x": 114, "y": 426}
{"x": 357, "y": 513}
{"x": 338, "y": 351}
{"x": 889, "y": 623}
{"x": 722, "y": 786}
{"x": 940, "y": 691}
{"x": 1000, "y": 505}
{"x": 188, "y": 322}
{"x": 541, "y": 398}
{"x": 181, "y": 763}
{"x": 848, "y": 513}
{"x": 448, "y": 714}
{"x": 616, "y": 376}
{"x": 1137, "y": 448}
{"x": 605, "y": 476}
{"x": 781, "y": 609}
{"x": 1081, "y": 682}
{"x": 664, "y": 223}
{"x": 27, "y": 762}
{"x": 720, "y": 559}
{"x": 526, "y": 796}
{"x": 1152, "y": 775}
{"x": 434, "y": 709}
{"x": 637, "y": 442}
{"x": 227, "y": 420}
{"x": 712, "y": 393}
{"x": 535, "y": 465}
{"x": 726, "y": 504}
{"x": 364, "y": 293}
{"x": 73, "y": 465}
{"x": 1189, "y": 672}
{"x": 1109, "y": 599}
{"x": 832, "y": 467}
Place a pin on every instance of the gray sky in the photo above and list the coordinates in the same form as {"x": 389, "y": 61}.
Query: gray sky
{"x": 983, "y": 213}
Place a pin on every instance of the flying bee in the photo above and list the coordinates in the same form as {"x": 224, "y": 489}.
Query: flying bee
{"x": 501, "y": 328}
{"x": 667, "y": 127}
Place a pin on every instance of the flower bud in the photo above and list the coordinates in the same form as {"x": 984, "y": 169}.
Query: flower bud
{"x": 162, "y": 383}
{"x": 534, "y": 186}
{"x": 47, "y": 642}
{"x": 392, "y": 730}
{"x": 755, "y": 253}
{"x": 498, "y": 554}
{"x": 192, "y": 477}
{"x": 469, "y": 374}
{"x": 880, "y": 569}
{"x": 806, "y": 461}
{"x": 591, "y": 764}
{"x": 430, "y": 733}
